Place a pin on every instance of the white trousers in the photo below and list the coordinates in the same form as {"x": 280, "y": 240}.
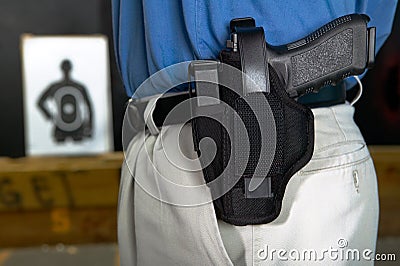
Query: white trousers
{"x": 329, "y": 214}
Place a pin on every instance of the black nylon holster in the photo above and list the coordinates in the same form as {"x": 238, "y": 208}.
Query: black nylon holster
{"x": 290, "y": 139}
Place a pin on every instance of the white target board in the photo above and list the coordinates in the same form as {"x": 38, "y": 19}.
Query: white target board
{"x": 67, "y": 99}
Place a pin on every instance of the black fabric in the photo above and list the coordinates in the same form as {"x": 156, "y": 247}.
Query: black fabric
{"x": 295, "y": 141}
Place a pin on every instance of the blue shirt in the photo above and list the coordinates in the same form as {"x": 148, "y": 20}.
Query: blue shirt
{"x": 150, "y": 35}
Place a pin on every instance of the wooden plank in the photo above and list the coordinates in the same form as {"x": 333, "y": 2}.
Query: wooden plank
{"x": 39, "y": 163}
{"x": 50, "y": 200}
{"x": 73, "y": 200}
{"x": 387, "y": 165}
{"x": 61, "y": 225}
{"x": 42, "y": 183}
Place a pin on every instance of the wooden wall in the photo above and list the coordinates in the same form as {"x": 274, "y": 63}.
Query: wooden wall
{"x": 73, "y": 200}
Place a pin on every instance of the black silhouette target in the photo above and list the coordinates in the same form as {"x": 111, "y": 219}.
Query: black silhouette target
{"x": 73, "y": 115}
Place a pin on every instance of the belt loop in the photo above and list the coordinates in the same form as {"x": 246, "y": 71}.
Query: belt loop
{"x": 148, "y": 116}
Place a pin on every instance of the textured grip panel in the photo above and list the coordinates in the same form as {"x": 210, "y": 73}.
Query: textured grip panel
{"x": 332, "y": 55}
{"x": 321, "y": 31}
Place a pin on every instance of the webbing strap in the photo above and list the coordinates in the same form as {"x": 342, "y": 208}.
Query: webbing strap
{"x": 252, "y": 47}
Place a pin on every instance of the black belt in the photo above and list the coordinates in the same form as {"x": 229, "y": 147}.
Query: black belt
{"x": 327, "y": 96}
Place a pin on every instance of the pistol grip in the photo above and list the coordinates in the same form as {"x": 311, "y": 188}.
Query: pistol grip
{"x": 341, "y": 48}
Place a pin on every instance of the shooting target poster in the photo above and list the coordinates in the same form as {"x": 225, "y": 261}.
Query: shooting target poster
{"x": 66, "y": 90}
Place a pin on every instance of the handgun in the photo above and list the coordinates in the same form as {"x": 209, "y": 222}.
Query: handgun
{"x": 339, "y": 49}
